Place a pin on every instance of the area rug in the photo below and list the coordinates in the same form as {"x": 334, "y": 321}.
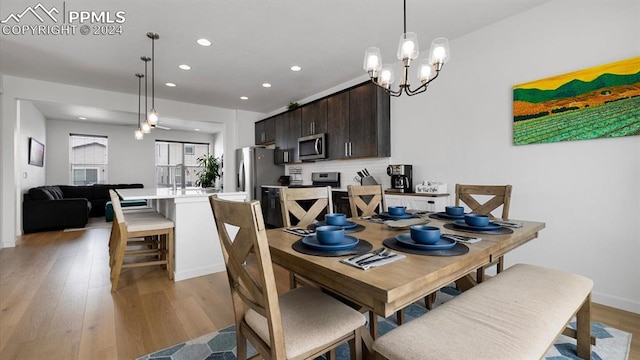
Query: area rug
{"x": 612, "y": 344}
{"x": 93, "y": 223}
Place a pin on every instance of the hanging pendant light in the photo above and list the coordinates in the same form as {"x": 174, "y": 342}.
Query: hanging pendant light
{"x": 138, "y": 133}
{"x": 429, "y": 69}
{"x": 146, "y": 127}
{"x": 153, "y": 114}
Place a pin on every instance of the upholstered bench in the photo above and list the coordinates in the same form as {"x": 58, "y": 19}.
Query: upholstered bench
{"x": 515, "y": 315}
{"x": 108, "y": 208}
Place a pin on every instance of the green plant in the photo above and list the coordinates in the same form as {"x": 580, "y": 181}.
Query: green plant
{"x": 210, "y": 170}
{"x": 292, "y": 105}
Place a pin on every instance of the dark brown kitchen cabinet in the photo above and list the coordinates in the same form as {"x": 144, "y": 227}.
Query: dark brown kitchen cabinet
{"x": 265, "y": 131}
{"x": 287, "y": 132}
{"x": 359, "y": 123}
{"x": 314, "y": 117}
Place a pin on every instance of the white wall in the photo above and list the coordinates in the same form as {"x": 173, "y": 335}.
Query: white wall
{"x": 130, "y": 160}
{"x": 587, "y": 192}
{"x": 32, "y": 124}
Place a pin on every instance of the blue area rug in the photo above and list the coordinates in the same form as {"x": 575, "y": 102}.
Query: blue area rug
{"x": 612, "y": 344}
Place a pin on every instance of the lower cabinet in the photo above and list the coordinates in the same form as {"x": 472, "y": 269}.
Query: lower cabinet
{"x": 341, "y": 202}
{"x": 434, "y": 203}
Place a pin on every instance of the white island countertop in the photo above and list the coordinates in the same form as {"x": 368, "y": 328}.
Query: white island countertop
{"x": 169, "y": 193}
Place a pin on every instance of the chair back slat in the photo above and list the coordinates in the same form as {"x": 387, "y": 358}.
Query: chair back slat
{"x": 252, "y": 287}
{"x": 365, "y": 200}
{"x": 289, "y": 201}
{"x": 117, "y": 208}
{"x": 501, "y": 196}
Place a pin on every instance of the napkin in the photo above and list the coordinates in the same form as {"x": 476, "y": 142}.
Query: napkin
{"x": 299, "y": 231}
{"x": 405, "y": 223}
{"x": 374, "y": 261}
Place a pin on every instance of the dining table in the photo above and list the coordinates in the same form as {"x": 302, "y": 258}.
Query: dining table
{"x": 393, "y": 286}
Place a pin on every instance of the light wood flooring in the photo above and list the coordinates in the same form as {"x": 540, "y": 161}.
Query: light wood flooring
{"x": 56, "y": 303}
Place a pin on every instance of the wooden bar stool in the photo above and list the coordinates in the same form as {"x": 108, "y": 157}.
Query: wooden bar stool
{"x": 156, "y": 230}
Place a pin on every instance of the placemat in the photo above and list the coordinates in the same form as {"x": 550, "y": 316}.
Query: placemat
{"x": 459, "y": 249}
{"x": 502, "y": 231}
{"x": 440, "y": 217}
{"x": 357, "y": 228}
{"x": 363, "y": 247}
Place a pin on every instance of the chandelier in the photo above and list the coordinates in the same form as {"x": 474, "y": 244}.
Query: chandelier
{"x": 138, "y": 132}
{"x": 428, "y": 70}
{"x": 152, "y": 116}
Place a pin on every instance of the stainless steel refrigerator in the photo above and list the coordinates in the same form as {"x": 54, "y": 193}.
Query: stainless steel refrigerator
{"x": 255, "y": 167}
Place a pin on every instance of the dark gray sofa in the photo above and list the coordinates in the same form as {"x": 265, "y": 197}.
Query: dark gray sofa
{"x": 65, "y": 206}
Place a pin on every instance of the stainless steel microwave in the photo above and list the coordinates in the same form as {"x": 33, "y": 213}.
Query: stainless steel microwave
{"x": 312, "y": 147}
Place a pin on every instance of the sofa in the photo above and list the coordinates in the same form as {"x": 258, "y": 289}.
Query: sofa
{"x": 57, "y": 207}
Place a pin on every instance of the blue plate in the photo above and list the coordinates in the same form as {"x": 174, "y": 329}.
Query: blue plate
{"x": 443, "y": 244}
{"x": 347, "y": 225}
{"x": 490, "y": 227}
{"x": 348, "y": 243}
{"x": 395, "y": 217}
{"x": 447, "y": 216}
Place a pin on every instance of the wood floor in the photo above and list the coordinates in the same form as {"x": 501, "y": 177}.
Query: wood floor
{"x": 56, "y": 303}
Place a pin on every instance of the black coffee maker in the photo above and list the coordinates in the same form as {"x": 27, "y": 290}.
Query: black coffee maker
{"x": 401, "y": 178}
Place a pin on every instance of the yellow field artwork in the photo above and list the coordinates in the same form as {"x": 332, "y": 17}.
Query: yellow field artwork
{"x": 599, "y": 102}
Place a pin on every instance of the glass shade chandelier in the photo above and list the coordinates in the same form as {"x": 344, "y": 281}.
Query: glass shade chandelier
{"x": 152, "y": 116}
{"x": 428, "y": 69}
{"x": 138, "y": 133}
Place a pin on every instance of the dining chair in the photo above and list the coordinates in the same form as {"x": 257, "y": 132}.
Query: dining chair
{"x": 300, "y": 324}
{"x": 365, "y": 200}
{"x": 315, "y": 199}
{"x": 150, "y": 234}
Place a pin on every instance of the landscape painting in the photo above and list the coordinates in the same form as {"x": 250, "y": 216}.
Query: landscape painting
{"x": 599, "y": 102}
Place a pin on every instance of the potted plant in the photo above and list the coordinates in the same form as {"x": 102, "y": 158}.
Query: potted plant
{"x": 210, "y": 170}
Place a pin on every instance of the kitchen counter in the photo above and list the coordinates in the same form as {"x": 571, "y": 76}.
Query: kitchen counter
{"x": 414, "y": 194}
{"x": 197, "y": 247}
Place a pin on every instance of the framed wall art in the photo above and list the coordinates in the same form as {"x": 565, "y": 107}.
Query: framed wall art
{"x": 599, "y": 102}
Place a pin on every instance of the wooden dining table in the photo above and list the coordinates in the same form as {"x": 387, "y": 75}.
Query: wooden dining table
{"x": 391, "y": 287}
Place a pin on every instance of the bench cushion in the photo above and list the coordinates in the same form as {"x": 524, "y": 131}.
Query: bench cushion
{"x": 515, "y": 315}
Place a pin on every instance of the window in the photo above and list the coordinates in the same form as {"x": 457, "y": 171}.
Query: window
{"x": 88, "y": 159}
{"x": 171, "y": 154}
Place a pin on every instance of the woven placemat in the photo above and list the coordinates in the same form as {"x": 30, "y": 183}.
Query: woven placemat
{"x": 502, "y": 231}
{"x": 458, "y": 249}
{"x": 443, "y": 217}
{"x": 363, "y": 247}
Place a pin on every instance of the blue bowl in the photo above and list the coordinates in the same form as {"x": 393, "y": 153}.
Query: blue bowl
{"x": 425, "y": 234}
{"x": 454, "y": 210}
{"x": 396, "y": 210}
{"x": 330, "y": 235}
{"x": 335, "y": 219}
{"x": 476, "y": 219}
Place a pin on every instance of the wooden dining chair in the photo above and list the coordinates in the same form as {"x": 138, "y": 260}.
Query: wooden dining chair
{"x": 475, "y": 197}
{"x": 365, "y": 200}
{"x": 302, "y": 323}
{"x": 317, "y": 199}
{"x": 151, "y": 236}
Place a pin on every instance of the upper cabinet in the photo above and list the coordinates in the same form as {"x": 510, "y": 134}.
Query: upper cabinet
{"x": 287, "y": 132}
{"x": 356, "y": 121}
{"x": 359, "y": 123}
{"x": 314, "y": 117}
{"x": 265, "y": 131}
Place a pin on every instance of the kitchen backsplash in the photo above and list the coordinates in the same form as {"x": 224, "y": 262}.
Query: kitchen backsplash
{"x": 348, "y": 170}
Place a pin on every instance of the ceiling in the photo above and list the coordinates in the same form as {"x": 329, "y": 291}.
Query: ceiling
{"x": 253, "y": 42}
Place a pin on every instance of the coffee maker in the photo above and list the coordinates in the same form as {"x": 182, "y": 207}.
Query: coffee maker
{"x": 401, "y": 178}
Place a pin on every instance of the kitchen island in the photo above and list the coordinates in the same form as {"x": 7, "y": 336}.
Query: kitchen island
{"x": 196, "y": 245}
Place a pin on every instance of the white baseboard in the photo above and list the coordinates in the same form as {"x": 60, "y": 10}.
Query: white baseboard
{"x": 184, "y": 275}
{"x": 615, "y": 302}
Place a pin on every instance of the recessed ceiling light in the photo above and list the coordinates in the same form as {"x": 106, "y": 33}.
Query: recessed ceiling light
{"x": 196, "y": 129}
{"x": 82, "y": 118}
{"x": 184, "y": 67}
{"x": 244, "y": 98}
{"x": 296, "y": 68}
{"x": 204, "y": 42}
{"x": 170, "y": 84}
{"x": 267, "y": 85}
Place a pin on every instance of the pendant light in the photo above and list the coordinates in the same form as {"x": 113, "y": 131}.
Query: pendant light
{"x": 153, "y": 114}
{"x": 146, "y": 127}
{"x": 429, "y": 68}
{"x": 138, "y": 133}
